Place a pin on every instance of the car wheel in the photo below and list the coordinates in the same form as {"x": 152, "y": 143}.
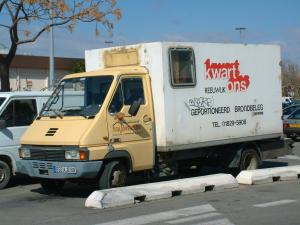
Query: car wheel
{"x": 113, "y": 175}
{"x": 249, "y": 160}
{"x": 5, "y": 174}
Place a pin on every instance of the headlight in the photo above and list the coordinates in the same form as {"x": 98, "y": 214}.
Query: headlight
{"x": 24, "y": 153}
{"x": 74, "y": 155}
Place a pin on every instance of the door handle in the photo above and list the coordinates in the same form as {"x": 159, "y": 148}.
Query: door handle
{"x": 115, "y": 140}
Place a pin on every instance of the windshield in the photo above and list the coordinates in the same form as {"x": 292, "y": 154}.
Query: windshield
{"x": 78, "y": 97}
{"x": 1, "y": 101}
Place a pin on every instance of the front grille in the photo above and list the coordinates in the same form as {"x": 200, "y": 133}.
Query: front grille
{"x": 44, "y": 154}
{"x": 42, "y": 166}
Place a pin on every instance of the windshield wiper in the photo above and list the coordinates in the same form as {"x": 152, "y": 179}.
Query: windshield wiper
{"x": 74, "y": 109}
{"x": 56, "y": 112}
{"x": 71, "y": 109}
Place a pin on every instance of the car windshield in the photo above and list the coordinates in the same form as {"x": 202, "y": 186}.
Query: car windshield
{"x": 290, "y": 109}
{"x": 1, "y": 101}
{"x": 78, "y": 97}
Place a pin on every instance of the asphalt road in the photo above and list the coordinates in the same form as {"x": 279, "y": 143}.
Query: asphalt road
{"x": 277, "y": 203}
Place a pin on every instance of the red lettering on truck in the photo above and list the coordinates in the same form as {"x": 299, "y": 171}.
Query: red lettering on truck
{"x": 227, "y": 71}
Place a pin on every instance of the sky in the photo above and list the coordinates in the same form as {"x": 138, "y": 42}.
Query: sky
{"x": 266, "y": 22}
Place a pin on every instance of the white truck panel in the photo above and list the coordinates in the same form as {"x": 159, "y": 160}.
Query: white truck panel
{"x": 208, "y": 113}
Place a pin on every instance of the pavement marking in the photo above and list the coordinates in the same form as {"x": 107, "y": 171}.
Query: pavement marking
{"x": 216, "y": 222}
{"x": 191, "y": 218}
{"x": 276, "y": 203}
{"x": 294, "y": 157}
{"x": 162, "y": 216}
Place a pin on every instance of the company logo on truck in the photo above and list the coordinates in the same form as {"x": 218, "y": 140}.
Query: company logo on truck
{"x": 229, "y": 71}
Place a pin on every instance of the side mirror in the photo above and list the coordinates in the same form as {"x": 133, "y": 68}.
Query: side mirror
{"x": 2, "y": 124}
{"x": 134, "y": 108}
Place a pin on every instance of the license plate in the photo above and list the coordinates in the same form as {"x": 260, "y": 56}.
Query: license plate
{"x": 295, "y": 125}
{"x": 64, "y": 169}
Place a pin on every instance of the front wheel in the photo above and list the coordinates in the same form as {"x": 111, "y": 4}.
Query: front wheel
{"x": 249, "y": 160}
{"x": 113, "y": 175}
{"x": 5, "y": 174}
{"x": 52, "y": 186}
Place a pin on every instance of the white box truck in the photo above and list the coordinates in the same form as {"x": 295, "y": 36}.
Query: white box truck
{"x": 153, "y": 105}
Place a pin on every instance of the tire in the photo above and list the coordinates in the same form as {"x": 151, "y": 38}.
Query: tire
{"x": 52, "y": 186}
{"x": 114, "y": 175}
{"x": 249, "y": 160}
{"x": 5, "y": 174}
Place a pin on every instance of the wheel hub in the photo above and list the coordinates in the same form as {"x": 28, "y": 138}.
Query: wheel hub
{"x": 250, "y": 163}
{"x": 118, "y": 178}
{"x": 2, "y": 175}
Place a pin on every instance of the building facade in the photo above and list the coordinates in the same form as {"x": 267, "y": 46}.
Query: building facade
{"x": 31, "y": 72}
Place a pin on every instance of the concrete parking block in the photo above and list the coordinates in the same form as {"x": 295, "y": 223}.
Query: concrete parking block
{"x": 148, "y": 192}
{"x": 262, "y": 176}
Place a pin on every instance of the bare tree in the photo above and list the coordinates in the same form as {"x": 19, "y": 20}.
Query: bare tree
{"x": 25, "y": 20}
{"x": 290, "y": 74}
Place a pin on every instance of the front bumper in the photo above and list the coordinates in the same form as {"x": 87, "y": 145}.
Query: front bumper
{"x": 59, "y": 170}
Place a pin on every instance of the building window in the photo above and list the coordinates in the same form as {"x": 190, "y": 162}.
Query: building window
{"x": 182, "y": 65}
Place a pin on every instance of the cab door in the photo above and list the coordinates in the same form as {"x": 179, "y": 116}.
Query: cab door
{"x": 132, "y": 133}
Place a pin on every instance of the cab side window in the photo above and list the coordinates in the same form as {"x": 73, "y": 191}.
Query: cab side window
{"x": 19, "y": 112}
{"x": 133, "y": 90}
{"x": 117, "y": 101}
{"x": 129, "y": 90}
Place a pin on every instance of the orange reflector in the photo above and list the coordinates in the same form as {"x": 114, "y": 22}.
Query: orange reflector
{"x": 293, "y": 125}
{"x": 82, "y": 155}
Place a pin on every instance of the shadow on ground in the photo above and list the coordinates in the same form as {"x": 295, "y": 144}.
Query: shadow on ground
{"x": 21, "y": 180}
{"x": 73, "y": 190}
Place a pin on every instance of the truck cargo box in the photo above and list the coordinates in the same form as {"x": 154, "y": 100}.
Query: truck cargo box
{"x": 205, "y": 94}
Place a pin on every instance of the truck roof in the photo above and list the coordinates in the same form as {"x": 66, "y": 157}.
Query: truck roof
{"x": 25, "y": 93}
{"x": 132, "y": 70}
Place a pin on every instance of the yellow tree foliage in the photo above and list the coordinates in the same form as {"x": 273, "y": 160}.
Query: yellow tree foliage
{"x": 25, "y": 20}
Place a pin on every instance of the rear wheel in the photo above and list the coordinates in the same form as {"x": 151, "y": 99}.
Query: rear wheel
{"x": 113, "y": 175}
{"x": 52, "y": 186}
{"x": 249, "y": 160}
{"x": 5, "y": 174}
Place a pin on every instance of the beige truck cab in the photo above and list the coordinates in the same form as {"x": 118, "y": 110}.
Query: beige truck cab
{"x": 158, "y": 107}
{"x": 79, "y": 128}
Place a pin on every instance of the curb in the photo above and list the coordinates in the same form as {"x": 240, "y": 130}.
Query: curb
{"x": 148, "y": 192}
{"x": 263, "y": 176}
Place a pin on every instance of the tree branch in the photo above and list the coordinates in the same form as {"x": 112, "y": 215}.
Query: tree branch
{"x": 33, "y": 39}
{"x": 9, "y": 10}
{"x": 5, "y": 26}
{"x": 2, "y": 4}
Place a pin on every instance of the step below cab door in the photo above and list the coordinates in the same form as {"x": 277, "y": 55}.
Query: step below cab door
{"x": 132, "y": 133}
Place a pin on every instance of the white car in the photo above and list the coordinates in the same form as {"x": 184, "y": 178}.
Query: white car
{"x": 17, "y": 112}
{"x": 287, "y": 100}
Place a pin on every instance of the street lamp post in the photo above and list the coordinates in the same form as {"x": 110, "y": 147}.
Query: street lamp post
{"x": 51, "y": 80}
{"x": 240, "y": 29}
